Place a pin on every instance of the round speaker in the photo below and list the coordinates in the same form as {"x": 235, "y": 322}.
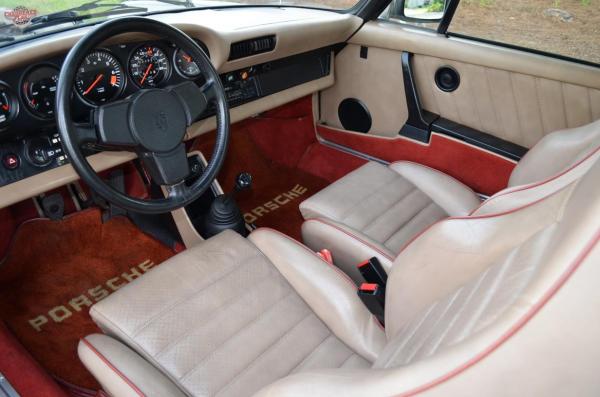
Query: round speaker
{"x": 354, "y": 115}
{"x": 447, "y": 78}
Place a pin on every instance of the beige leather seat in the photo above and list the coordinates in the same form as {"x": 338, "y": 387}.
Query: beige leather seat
{"x": 376, "y": 209}
{"x": 500, "y": 303}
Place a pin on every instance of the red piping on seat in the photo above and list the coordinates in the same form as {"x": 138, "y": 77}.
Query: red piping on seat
{"x": 539, "y": 183}
{"x": 517, "y": 326}
{"x": 341, "y": 273}
{"x": 374, "y": 248}
{"x": 113, "y": 368}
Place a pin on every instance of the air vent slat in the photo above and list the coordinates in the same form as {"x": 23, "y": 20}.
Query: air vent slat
{"x": 246, "y": 48}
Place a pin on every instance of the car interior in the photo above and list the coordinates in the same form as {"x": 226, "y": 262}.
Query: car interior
{"x": 303, "y": 199}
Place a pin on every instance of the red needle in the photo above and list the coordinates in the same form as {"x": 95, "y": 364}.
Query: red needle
{"x": 187, "y": 58}
{"x": 5, "y": 107}
{"x": 146, "y": 74}
{"x": 91, "y": 87}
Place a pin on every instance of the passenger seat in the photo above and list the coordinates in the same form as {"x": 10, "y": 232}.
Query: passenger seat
{"x": 376, "y": 210}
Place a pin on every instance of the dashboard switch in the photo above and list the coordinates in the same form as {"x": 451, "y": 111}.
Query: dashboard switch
{"x": 11, "y": 161}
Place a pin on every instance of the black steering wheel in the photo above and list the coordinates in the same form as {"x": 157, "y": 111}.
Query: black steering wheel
{"x": 152, "y": 122}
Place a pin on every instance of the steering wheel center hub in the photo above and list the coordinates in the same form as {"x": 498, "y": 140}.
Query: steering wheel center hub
{"x": 158, "y": 120}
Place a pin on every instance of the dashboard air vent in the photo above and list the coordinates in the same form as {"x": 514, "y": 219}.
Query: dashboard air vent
{"x": 246, "y": 48}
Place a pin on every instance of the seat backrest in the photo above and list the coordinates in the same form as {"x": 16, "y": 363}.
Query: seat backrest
{"x": 556, "y": 152}
{"x": 466, "y": 283}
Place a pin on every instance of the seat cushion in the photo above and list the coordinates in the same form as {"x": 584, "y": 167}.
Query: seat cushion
{"x": 376, "y": 209}
{"x": 221, "y": 319}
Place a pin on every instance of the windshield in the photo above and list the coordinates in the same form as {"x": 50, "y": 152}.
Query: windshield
{"x": 22, "y": 19}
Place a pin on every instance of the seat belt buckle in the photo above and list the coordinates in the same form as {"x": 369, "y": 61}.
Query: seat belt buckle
{"x": 373, "y": 297}
{"x": 372, "y": 272}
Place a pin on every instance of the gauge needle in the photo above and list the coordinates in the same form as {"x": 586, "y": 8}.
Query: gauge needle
{"x": 5, "y": 107}
{"x": 146, "y": 73}
{"x": 91, "y": 87}
{"x": 187, "y": 58}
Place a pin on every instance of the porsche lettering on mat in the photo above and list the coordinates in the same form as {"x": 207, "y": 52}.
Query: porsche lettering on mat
{"x": 274, "y": 204}
{"x": 87, "y": 298}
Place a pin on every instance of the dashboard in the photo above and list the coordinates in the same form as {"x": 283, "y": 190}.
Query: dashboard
{"x": 265, "y": 57}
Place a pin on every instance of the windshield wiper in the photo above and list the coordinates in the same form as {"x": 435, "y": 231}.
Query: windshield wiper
{"x": 75, "y": 14}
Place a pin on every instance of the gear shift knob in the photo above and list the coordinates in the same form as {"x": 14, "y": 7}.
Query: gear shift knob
{"x": 243, "y": 181}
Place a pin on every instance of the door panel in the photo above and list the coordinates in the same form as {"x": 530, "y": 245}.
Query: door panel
{"x": 513, "y": 95}
{"x": 517, "y": 107}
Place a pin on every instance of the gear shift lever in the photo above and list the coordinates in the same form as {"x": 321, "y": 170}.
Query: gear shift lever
{"x": 224, "y": 212}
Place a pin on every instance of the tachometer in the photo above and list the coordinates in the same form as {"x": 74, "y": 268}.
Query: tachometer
{"x": 9, "y": 106}
{"x": 100, "y": 77}
{"x": 39, "y": 90}
{"x": 149, "y": 66}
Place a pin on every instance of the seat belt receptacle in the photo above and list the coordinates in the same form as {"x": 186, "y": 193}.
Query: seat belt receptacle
{"x": 373, "y": 272}
{"x": 373, "y": 297}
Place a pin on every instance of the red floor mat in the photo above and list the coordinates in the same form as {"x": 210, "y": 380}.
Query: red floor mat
{"x": 55, "y": 270}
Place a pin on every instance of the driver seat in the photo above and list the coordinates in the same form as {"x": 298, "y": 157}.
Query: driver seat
{"x": 498, "y": 304}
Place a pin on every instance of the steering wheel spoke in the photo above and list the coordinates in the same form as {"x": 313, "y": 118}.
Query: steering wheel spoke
{"x": 112, "y": 125}
{"x": 193, "y": 98}
{"x": 86, "y": 133}
{"x": 167, "y": 169}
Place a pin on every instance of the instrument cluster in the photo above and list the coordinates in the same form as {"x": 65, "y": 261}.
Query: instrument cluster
{"x": 104, "y": 75}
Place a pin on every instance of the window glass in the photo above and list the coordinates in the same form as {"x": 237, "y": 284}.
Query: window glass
{"x": 565, "y": 27}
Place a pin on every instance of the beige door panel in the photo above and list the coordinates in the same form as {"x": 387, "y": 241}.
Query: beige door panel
{"x": 376, "y": 81}
{"x": 517, "y": 107}
{"x": 514, "y": 95}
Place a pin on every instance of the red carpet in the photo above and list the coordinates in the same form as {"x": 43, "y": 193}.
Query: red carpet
{"x": 55, "y": 270}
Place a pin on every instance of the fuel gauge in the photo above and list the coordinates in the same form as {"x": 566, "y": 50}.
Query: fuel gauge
{"x": 9, "y": 106}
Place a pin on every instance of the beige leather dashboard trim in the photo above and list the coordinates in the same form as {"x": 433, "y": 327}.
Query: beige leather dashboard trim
{"x": 60, "y": 176}
{"x": 394, "y": 36}
{"x": 57, "y": 177}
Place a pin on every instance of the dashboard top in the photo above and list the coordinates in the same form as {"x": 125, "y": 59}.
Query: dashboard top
{"x": 297, "y": 30}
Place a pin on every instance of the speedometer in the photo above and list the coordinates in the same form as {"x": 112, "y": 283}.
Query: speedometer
{"x": 100, "y": 77}
{"x": 149, "y": 66}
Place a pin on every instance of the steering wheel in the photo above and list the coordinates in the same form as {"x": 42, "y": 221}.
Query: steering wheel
{"x": 152, "y": 122}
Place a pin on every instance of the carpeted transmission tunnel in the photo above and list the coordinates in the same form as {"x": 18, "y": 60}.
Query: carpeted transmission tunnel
{"x": 55, "y": 270}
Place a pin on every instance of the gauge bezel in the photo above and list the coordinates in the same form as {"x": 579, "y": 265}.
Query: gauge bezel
{"x": 22, "y": 96}
{"x": 15, "y": 105}
{"x": 179, "y": 72}
{"x": 121, "y": 90}
{"x": 169, "y": 63}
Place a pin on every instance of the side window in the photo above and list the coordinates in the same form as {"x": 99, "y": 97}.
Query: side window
{"x": 564, "y": 27}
